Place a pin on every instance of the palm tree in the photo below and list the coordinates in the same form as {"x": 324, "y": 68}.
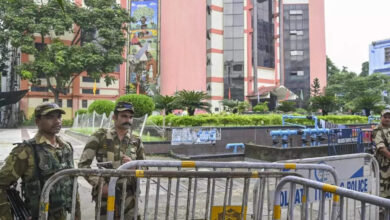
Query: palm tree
{"x": 192, "y": 100}
{"x": 166, "y": 104}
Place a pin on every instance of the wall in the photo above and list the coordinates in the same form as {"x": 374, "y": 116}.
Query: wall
{"x": 183, "y": 45}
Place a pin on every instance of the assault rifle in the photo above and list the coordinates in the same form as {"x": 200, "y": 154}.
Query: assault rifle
{"x": 105, "y": 165}
{"x": 18, "y": 207}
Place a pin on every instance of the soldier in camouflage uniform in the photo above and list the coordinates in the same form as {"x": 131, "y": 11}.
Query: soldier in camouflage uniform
{"x": 34, "y": 161}
{"x": 117, "y": 145}
{"x": 381, "y": 138}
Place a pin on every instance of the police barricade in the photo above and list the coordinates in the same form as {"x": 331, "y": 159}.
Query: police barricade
{"x": 338, "y": 194}
{"x": 212, "y": 196}
{"x": 258, "y": 197}
{"x": 358, "y": 172}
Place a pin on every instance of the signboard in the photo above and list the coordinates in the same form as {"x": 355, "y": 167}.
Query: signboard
{"x": 195, "y": 136}
{"x": 350, "y": 173}
{"x": 231, "y": 213}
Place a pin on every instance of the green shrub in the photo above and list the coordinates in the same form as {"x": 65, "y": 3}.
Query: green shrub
{"x": 249, "y": 120}
{"x": 81, "y": 111}
{"x": 286, "y": 106}
{"x": 101, "y": 107}
{"x": 67, "y": 122}
{"x": 301, "y": 111}
{"x": 262, "y": 107}
{"x": 142, "y": 104}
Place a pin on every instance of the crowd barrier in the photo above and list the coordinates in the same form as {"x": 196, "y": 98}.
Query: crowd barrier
{"x": 338, "y": 194}
{"x": 368, "y": 181}
{"x": 258, "y": 200}
{"x": 212, "y": 197}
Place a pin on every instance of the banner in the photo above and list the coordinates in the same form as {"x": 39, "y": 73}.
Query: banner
{"x": 143, "y": 50}
{"x": 195, "y": 136}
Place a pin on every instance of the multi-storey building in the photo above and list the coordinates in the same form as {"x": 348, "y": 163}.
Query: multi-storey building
{"x": 380, "y": 57}
{"x": 80, "y": 95}
{"x": 231, "y": 49}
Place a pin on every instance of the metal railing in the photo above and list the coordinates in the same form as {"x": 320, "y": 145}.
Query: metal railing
{"x": 339, "y": 194}
{"x": 210, "y": 177}
{"x": 371, "y": 170}
{"x": 232, "y": 166}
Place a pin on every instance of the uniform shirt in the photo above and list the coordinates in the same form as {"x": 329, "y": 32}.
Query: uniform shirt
{"x": 105, "y": 145}
{"x": 20, "y": 163}
{"x": 381, "y": 135}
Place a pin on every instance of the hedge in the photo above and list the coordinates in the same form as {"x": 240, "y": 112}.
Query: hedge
{"x": 247, "y": 120}
{"x": 101, "y": 106}
{"x": 143, "y": 104}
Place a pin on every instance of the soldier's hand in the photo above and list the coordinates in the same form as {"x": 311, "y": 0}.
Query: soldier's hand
{"x": 105, "y": 191}
{"x": 125, "y": 159}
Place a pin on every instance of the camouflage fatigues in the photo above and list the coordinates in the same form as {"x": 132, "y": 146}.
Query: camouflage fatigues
{"x": 105, "y": 146}
{"x": 381, "y": 138}
{"x": 21, "y": 163}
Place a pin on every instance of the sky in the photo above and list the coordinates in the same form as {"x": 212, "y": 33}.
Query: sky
{"x": 351, "y": 26}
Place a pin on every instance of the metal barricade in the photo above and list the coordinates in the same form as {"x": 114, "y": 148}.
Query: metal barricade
{"x": 231, "y": 166}
{"x": 369, "y": 171}
{"x": 211, "y": 177}
{"x": 338, "y": 194}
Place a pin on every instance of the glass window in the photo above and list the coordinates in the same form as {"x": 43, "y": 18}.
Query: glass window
{"x": 387, "y": 54}
{"x": 238, "y": 44}
{"x": 89, "y": 79}
{"x": 228, "y": 32}
{"x": 238, "y": 8}
{"x": 296, "y": 12}
{"x": 89, "y": 91}
{"x": 228, "y": 44}
{"x": 84, "y": 103}
{"x": 228, "y": 8}
{"x": 45, "y": 100}
{"x": 238, "y": 31}
{"x": 69, "y": 103}
{"x": 228, "y": 20}
{"x": 239, "y": 56}
{"x": 39, "y": 89}
{"x": 60, "y": 102}
{"x": 238, "y": 20}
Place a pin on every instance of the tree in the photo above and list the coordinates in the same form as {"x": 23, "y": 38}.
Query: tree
{"x": 230, "y": 105}
{"x": 331, "y": 69}
{"x": 243, "y": 106}
{"x": 367, "y": 103}
{"x": 315, "y": 87}
{"x": 286, "y": 106}
{"x": 365, "y": 69}
{"x": 165, "y": 103}
{"x": 325, "y": 103}
{"x": 96, "y": 47}
{"x": 192, "y": 100}
{"x": 348, "y": 88}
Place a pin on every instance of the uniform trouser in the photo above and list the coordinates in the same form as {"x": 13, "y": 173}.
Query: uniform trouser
{"x": 129, "y": 209}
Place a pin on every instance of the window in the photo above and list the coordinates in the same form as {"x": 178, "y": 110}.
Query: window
{"x": 295, "y": 32}
{"x": 69, "y": 103}
{"x": 39, "y": 89}
{"x": 84, "y": 103}
{"x": 60, "y": 102}
{"x": 296, "y": 53}
{"x": 89, "y": 91}
{"x": 387, "y": 55}
{"x": 296, "y": 12}
{"x": 45, "y": 100}
{"x": 118, "y": 68}
{"x": 89, "y": 79}
{"x": 297, "y": 73}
